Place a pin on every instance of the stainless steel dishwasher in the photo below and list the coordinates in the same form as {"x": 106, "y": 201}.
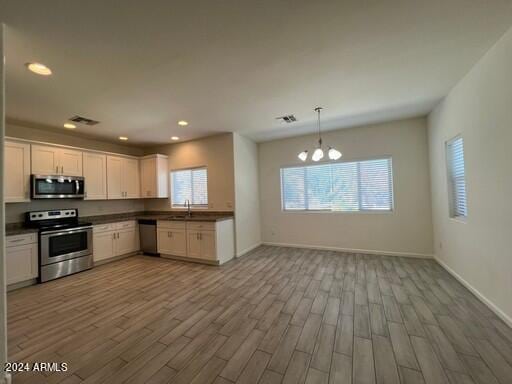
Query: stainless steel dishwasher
{"x": 148, "y": 242}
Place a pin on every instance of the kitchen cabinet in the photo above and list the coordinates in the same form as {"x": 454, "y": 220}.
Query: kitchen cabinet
{"x": 201, "y": 244}
{"x": 131, "y": 178}
{"x": 115, "y": 239}
{"x": 48, "y": 160}
{"x": 95, "y": 173}
{"x": 126, "y": 241}
{"x": 103, "y": 245}
{"x": 123, "y": 178}
{"x": 21, "y": 253}
{"x": 154, "y": 172}
{"x": 172, "y": 241}
{"x": 171, "y": 238}
{"x": 16, "y": 172}
{"x": 209, "y": 242}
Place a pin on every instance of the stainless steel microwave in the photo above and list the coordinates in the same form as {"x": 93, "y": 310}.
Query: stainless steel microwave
{"x": 57, "y": 187}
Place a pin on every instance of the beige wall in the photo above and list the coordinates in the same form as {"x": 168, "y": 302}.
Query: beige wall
{"x": 479, "y": 108}
{"x": 247, "y": 202}
{"x": 24, "y": 131}
{"x": 214, "y": 152}
{"x": 408, "y": 229}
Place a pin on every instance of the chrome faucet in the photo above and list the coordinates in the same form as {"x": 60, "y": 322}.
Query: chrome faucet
{"x": 187, "y": 204}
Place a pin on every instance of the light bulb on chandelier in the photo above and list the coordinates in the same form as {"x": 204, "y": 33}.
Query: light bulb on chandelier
{"x": 303, "y": 155}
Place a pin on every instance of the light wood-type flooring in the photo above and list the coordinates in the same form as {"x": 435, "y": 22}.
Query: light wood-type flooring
{"x": 279, "y": 315}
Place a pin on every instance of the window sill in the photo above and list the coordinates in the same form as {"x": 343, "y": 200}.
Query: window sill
{"x": 376, "y": 212}
{"x": 461, "y": 220}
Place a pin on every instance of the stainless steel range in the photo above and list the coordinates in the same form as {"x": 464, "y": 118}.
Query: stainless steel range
{"x": 65, "y": 244}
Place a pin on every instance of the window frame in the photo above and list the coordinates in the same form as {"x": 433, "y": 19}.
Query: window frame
{"x": 450, "y": 180}
{"x": 192, "y": 206}
{"x": 330, "y": 211}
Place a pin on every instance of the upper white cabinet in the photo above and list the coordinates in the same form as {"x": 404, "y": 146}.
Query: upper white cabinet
{"x": 123, "y": 180}
{"x": 107, "y": 176}
{"x": 48, "y": 160}
{"x": 95, "y": 173}
{"x": 154, "y": 171}
{"x": 131, "y": 178}
{"x": 17, "y": 172}
{"x": 70, "y": 162}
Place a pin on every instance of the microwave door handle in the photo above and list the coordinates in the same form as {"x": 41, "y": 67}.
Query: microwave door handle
{"x": 77, "y": 187}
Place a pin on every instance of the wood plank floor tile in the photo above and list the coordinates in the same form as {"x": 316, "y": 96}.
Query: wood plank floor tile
{"x": 277, "y": 315}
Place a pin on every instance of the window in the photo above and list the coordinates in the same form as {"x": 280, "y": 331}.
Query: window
{"x": 456, "y": 177}
{"x": 342, "y": 186}
{"x": 191, "y": 185}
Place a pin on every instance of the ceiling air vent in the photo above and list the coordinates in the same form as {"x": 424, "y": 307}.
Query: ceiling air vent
{"x": 83, "y": 120}
{"x": 287, "y": 118}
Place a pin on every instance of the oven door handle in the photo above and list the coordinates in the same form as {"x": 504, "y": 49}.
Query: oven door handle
{"x": 60, "y": 232}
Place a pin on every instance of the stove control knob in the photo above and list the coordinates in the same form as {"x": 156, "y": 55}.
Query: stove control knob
{"x": 40, "y": 215}
{"x": 67, "y": 213}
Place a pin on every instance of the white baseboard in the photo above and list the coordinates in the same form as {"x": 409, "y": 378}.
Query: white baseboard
{"x": 247, "y": 250}
{"x": 493, "y": 307}
{"x": 354, "y": 250}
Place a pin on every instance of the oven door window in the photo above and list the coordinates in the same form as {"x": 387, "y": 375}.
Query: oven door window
{"x": 55, "y": 187}
{"x": 65, "y": 244}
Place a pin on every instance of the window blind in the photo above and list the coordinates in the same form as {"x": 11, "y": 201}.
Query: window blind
{"x": 456, "y": 177}
{"x": 191, "y": 185}
{"x": 342, "y": 186}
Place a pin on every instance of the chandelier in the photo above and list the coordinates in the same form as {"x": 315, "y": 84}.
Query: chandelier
{"x": 318, "y": 153}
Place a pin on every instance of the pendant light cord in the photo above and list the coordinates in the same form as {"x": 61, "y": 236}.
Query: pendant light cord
{"x": 318, "y": 109}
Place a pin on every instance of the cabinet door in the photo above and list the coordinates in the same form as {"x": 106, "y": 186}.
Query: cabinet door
{"x": 114, "y": 177}
{"x": 208, "y": 246}
{"x": 193, "y": 244}
{"x": 45, "y": 160}
{"x": 126, "y": 241}
{"x": 103, "y": 245}
{"x": 21, "y": 263}
{"x": 70, "y": 162}
{"x": 164, "y": 243}
{"x": 148, "y": 177}
{"x": 95, "y": 173}
{"x": 178, "y": 242}
{"x": 17, "y": 172}
{"x": 131, "y": 178}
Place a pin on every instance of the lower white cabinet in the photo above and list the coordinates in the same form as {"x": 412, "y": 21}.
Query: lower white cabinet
{"x": 21, "y": 258}
{"x": 201, "y": 244}
{"x": 211, "y": 242}
{"x": 115, "y": 239}
{"x": 103, "y": 245}
{"x": 172, "y": 241}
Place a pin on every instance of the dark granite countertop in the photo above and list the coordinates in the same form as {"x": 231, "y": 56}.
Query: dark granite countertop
{"x": 161, "y": 215}
{"x": 19, "y": 229}
{"x": 12, "y": 229}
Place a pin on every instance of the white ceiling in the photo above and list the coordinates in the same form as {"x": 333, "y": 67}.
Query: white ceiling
{"x": 235, "y": 65}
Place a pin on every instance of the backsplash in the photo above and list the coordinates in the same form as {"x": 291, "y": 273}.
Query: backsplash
{"x": 14, "y": 212}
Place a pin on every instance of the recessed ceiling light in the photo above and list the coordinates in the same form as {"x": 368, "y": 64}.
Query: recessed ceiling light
{"x": 183, "y": 123}
{"x": 39, "y": 69}
{"x": 69, "y": 126}
{"x": 175, "y": 138}
{"x": 124, "y": 138}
